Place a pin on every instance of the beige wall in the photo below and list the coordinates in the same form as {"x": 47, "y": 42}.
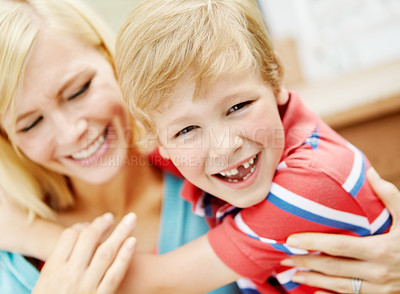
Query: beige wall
{"x": 113, "y": 11}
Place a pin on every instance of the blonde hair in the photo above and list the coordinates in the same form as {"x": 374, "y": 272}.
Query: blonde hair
{"x": 162, "y": 39}
{"x": 33, "y": 187}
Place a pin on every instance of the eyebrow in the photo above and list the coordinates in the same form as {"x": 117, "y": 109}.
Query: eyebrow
{"x": 21, "y": 117}
{"x": 245, "y": 94}
{"x": 65, "y": 85}
{"x": 180, "y": 120}
{"x": 83, "y": 72}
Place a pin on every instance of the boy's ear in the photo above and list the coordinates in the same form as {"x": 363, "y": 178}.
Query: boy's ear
{"x": 163, "y": 152}
{"x": 283, "y": 97}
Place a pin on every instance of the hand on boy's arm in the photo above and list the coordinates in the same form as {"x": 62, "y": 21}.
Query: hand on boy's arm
{"x": 375, "y": 260}
{"x": 192, "y": 268}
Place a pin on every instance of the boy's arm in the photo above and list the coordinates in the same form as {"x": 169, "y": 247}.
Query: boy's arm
{"x": 42, "y": 236}
{"x": 192, "y": 268}
{"x": 25, "y": 237}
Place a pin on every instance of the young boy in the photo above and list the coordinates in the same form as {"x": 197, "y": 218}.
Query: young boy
{"x": 202, "y": 76}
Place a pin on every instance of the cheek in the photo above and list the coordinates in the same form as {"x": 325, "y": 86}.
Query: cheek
{"x": 120, "y": 113}
{"x": 106, "y": 99}
{"x": 189, "y": 161}
{"x": 35, "y": 150}
{"x": 267, "y": 131}
{"x": 110, "y": 106}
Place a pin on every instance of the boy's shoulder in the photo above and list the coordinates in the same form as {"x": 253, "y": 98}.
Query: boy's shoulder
{"x": 311, "y": 145}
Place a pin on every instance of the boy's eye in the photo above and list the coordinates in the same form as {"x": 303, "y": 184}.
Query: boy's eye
{"x": 185, "y": 130}
{"x": 32, "y": 125}
{"x": 238, "y": 107}
{"x": 82, "y": 90}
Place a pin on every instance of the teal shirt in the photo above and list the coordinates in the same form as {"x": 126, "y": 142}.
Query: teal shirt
{"x": 17, "y": 275}
{"x": 178, "y": 226}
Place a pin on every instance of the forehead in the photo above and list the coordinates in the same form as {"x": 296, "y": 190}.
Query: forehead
{"x": 226, "y": 88}
{"x": 54, "y": 54}
{"x": 55, "y": 58}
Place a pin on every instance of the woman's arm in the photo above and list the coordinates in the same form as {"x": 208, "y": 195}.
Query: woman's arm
{"x": 375, "y": 260}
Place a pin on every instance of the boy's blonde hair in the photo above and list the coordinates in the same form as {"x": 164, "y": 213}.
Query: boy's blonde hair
{"x": 28, "y": 184}
{"x": 162, "y": 39}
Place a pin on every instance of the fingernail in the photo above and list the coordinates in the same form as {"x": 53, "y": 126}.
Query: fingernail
{"x": 129, "y": 219}
{"x": 293, "y": 241}
{"x": 108, "y": 216}
{"x": 130, "y": 243}
{"x": 298, "y": 278}
{"x": 287, "y": 262}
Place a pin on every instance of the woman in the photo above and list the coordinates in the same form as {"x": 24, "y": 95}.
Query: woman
{"x": 68, "y": 153}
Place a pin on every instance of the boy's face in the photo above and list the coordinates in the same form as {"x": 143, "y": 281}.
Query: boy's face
{"x": 229, "y": 141}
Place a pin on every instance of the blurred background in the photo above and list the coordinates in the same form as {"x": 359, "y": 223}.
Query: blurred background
{"x": 343, "y": 57}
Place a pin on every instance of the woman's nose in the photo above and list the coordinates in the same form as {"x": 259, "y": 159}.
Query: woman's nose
{"x": 69, "y": 129}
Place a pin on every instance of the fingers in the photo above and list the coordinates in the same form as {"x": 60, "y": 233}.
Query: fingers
{"x": 332, "y": 244}
{"x": 386, "y": 191}
{"x": 65, "y": 244}
{"x": 67, "y": 268}
{"x": 336, "y": 284}
{"x": 339, "y": 285}
{"x": 89, "y": 239}
{"x": 333, "y": 266}
{"x": 106, "y": 252}
{"x": 118, "y": 269}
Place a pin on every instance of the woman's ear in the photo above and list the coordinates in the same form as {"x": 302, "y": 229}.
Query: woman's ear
{"x": 283, "y": 96}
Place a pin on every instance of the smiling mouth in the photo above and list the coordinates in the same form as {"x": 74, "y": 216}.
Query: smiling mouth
{"x": 92, "y": 148}
{"x": 240, "y": 173}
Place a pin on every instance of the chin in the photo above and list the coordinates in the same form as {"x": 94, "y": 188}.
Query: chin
{"x": 100, "y": 175}
{"x": 100, "y": 178}
{"x": 248, "y": 202}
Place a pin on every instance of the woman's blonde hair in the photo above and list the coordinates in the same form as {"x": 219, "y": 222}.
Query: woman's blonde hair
{"x": 33, "y": 187}
{"x": 162, "y": 39}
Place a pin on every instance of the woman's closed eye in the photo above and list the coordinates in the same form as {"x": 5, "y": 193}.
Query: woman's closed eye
{"x": 185, "y": 131}
{"x": 32, "y": 125}
{"x": 82, "y": 90}
{"x": 239, "y": 106}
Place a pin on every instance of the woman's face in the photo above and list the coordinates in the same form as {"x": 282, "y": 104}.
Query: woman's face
{"x": 70, "y": 116}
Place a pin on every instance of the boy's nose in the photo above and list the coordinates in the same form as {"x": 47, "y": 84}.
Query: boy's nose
{"x": 224, "y": 143}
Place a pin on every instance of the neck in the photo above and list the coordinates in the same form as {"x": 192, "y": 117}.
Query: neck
{"x": 129, "y": 190}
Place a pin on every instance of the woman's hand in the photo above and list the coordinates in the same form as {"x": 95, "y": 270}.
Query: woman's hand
{"x": 82, "y": 263}
{"x": 375, "y": 260}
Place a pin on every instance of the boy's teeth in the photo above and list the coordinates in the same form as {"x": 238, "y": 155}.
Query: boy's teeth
{"x": 235, "y": 181}
{"x": 92, "y": 149}
{"x": 235, "y": 171}
{"x": 231, "y": 172}
{"x": 251, "y": 171}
